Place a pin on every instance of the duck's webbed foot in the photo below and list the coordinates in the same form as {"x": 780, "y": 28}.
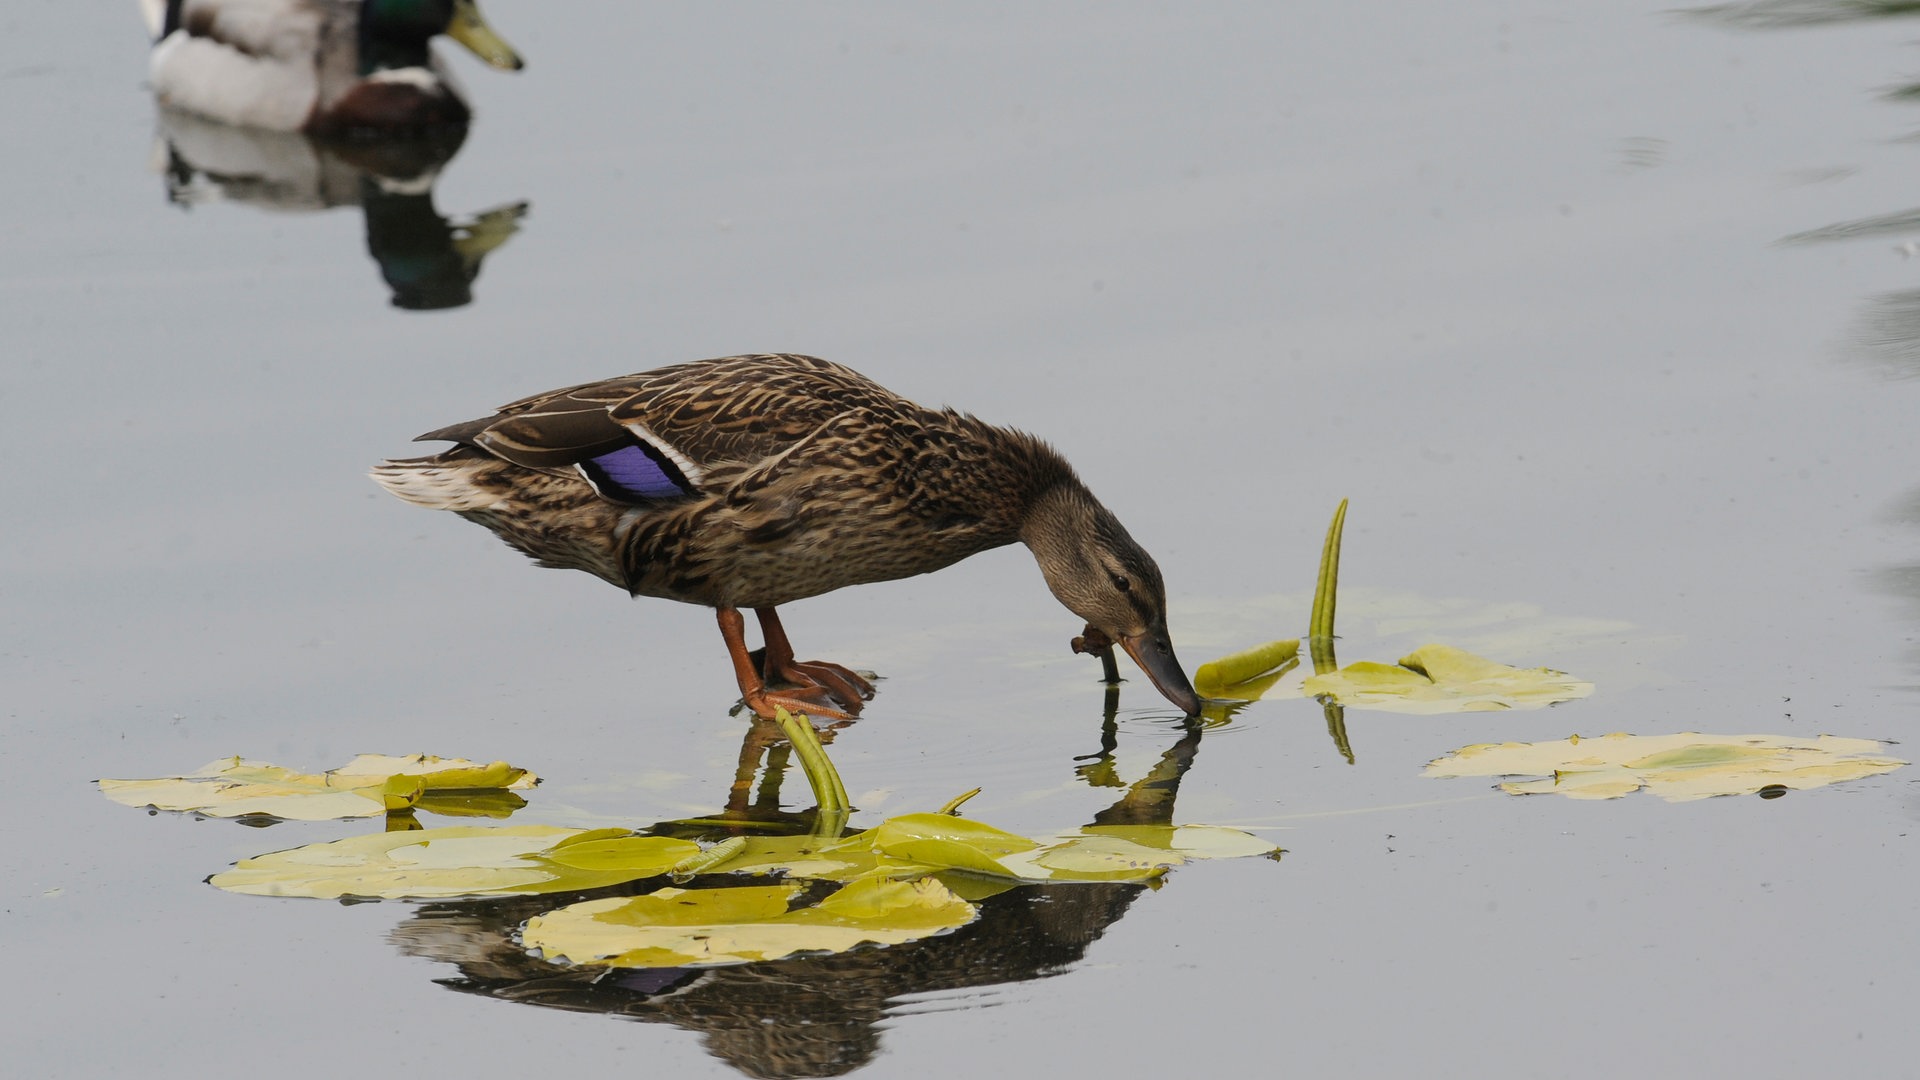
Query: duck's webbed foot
{"x": 815, "y": 700}
{"x": 848, "y": 688}
{"x": 842, "y": 686}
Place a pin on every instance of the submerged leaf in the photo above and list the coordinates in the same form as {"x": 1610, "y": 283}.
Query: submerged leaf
{"x": 1678, "y": 768}
{"x": 464, "y": 860}
{"x": 369, "y": 784}
{"x": 705, "y": 927}
{"x": 1442, "y": 679}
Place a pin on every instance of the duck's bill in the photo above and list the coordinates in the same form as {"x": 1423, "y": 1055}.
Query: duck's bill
{"x": 1154, "y": 653}
{"x": 469, "y": 29}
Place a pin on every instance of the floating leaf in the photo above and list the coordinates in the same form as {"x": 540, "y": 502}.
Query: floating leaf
{"x": 815, "y": 857}
{"x": 1441, "y": 679}
{"x": 1240, "y": 675}
{"x": 947, "y": 842}
{"x": 1678, "y": 768}
{"x": 705, "y": 927}
{"x": 440, "y": 774}
{"x": 1189, "y": 841}
{"x": 1130, "y": 852}
{"x": 464, "y": 860}
{"x": 369, "y": 784}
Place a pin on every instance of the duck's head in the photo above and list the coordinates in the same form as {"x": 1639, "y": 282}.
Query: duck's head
{"x": 1100, "y": 574}
{"x": 412, "y": 22}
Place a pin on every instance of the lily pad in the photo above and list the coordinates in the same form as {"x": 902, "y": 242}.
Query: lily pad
{"x": 463, "y": 860}
{"x": 1443, "y": 679}
{"x": 1130, "y": 852}
{"x": 813, "y": 857}
{"x": 369, "y": 784}
{"x": 915, "y": 845}
{"x": 1678, "y": 768}
{"x": 709, "y": 927}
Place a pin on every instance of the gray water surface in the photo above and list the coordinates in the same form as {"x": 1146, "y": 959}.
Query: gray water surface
{"x": 1603, "y": 316}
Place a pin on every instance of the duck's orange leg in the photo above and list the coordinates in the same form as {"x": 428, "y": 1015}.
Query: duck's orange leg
{"x": 814, "y": 700}
{"x": 848, "y": 687}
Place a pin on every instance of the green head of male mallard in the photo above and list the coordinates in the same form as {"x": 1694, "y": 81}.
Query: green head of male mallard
{"x": 395, "y": 33}
{"x": 755, "y": 481}
{"x": 320, "y": 66}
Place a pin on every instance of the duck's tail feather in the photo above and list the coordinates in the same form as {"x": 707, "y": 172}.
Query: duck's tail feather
{"x": 435, "y": 483}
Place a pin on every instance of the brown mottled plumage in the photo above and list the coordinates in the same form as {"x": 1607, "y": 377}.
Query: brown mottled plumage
{"x": 755, "y": 481}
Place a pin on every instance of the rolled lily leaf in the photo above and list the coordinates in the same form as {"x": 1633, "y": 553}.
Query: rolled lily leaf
{"x": 707, "y": 927}
{"x": 1443, "y": 679}
{"x": 1678, "y": 768}
{"x": 1240, "y": 674}
{"x": 369, "y": 784}
{"x": 464, "y": 860}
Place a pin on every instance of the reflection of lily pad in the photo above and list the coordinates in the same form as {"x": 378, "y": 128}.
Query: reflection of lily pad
{"x": 1678, "y": 768}
{"x": 1442, "y": 679}
{"x": 369, "y": 784}
{"x": 681, "y": 928}
{"x": 463, "y": 860}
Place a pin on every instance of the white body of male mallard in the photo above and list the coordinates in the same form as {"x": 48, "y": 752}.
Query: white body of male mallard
{"x": 325, "y": 67}
{"x": 755, "y": 481}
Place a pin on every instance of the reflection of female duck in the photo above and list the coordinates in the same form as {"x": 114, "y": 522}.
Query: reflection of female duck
{"x": 326, "y": 67}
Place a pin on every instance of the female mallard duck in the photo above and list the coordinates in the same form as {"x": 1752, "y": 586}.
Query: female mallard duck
{"x": 325, "y": 67}
{"x": 754, "y": 481}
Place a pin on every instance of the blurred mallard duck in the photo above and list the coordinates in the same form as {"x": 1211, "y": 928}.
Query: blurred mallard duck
{"x": 325, "y": 67}
{"x": 755, "y": 481}
{"x": 430, "y": 260}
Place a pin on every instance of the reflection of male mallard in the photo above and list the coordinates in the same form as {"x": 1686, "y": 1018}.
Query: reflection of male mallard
{"x": 429, "y": 259}
{"x": 326, "y": 67}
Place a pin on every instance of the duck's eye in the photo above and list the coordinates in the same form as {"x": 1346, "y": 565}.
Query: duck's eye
{"x": 1122, "y": 583}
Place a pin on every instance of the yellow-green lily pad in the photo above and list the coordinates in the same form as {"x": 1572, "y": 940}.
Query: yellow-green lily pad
{"x": 948, "y": 842}
{"x": 1130, "y": 852}
{"x": 1678, "y": 768}
{"x": 915, "y": 845}
{"x": 707, "y": 927}
{"x": 462, "y": 860}
{"x": 814, "y": 857}
{"x": 1443, "y": 679}
{"x": 369, "y": 784}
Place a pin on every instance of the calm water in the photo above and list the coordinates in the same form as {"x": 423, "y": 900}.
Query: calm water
{"x": 1603, "y": 315}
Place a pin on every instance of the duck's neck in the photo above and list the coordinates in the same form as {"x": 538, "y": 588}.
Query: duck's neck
{"x": 1058, "y": 521}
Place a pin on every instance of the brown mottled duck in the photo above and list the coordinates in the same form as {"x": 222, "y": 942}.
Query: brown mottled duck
{"x": 755, "y": 481}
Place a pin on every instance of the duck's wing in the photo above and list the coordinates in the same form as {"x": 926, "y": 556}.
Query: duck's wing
{"x": 742, "y": 409}
{"x": 254, "y": 63}
{"x": 263, "y": 29}
{"x": 657, "y": 434}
